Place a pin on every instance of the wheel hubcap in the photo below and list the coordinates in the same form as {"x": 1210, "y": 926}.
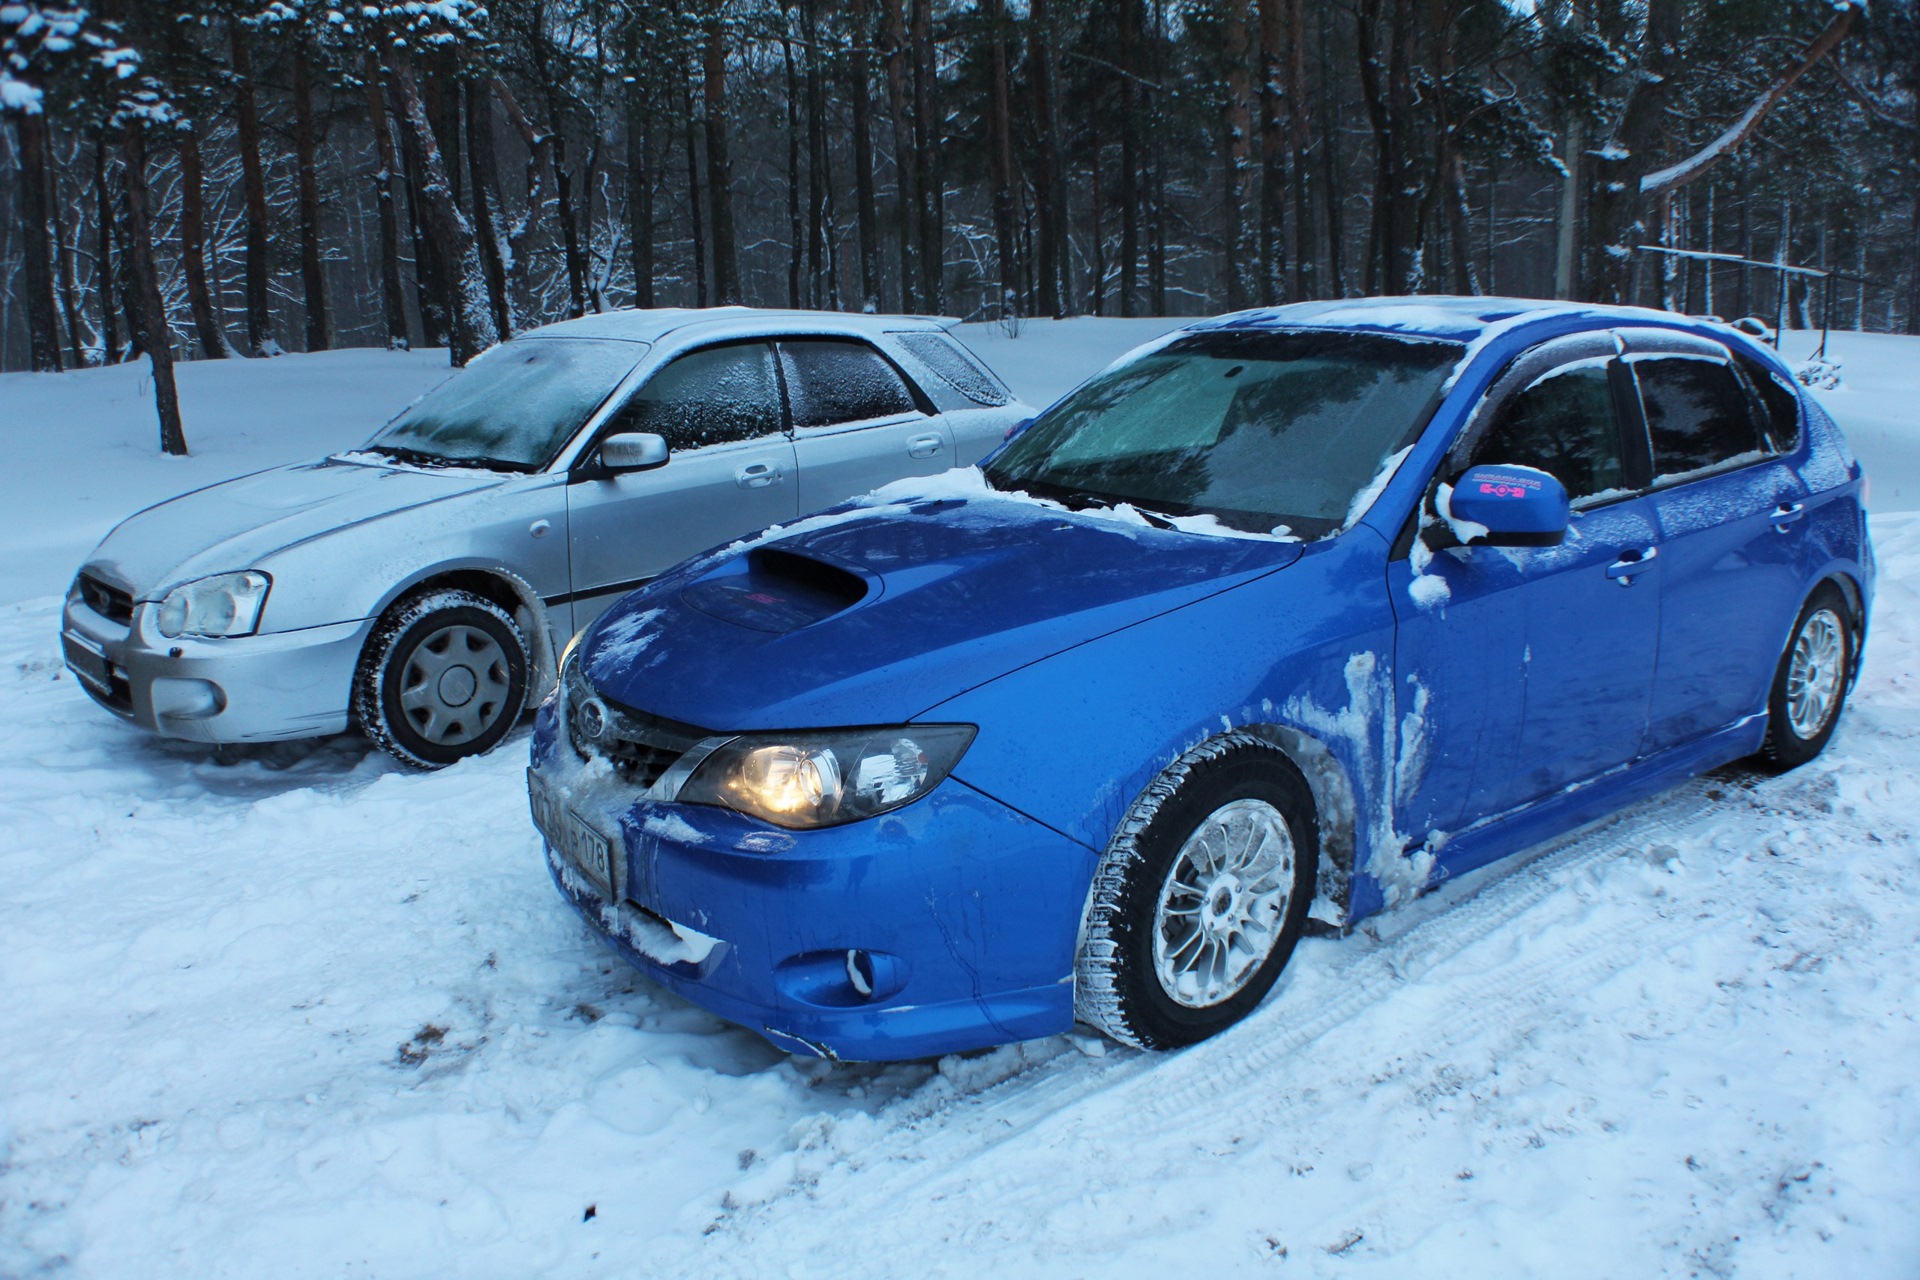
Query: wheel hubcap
{"x": 454, "y": 685}
{"x": 1814, "y": 672}
{"x": 1223, "y": 904}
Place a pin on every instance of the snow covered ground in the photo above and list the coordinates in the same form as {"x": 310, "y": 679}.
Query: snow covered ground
{"x": 308, "y": 1015}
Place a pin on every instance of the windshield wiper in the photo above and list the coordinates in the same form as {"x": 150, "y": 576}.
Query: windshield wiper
{"x": 435, "y": 461}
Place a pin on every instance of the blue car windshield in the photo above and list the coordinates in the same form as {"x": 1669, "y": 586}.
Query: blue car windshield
{"x": 514, "y": 407}
{"x": 1259, "y": 429}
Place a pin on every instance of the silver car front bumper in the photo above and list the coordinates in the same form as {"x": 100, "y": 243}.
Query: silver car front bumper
{"x": 291, "y": 684}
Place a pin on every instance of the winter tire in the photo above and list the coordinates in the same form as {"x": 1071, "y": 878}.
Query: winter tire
{"x": 1810, "y": 685}
{"x": 443, "y": 677}
{"x": 1200, "y": 899}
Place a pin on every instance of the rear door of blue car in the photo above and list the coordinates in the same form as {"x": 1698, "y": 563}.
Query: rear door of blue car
{"x": 1732, "y": 519}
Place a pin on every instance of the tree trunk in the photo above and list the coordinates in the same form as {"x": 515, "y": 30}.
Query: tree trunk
{"x": 470, "y": 319}
{"x": 796, "y": 240}
{"x": 1129, "y": 150}
{"x": 105, "y": 266}
{"x": 1274, "y": 109}
{"x": 726, "y": 256}
{"x": 1330, "y": 184}
{"x": 1615, "y": 221}
{"x": 193, "y": 245}
{"x": 64, "y": 252}
{"x": 312, "y": 275}
{"x": 1567, "y": 232}
{"x": 43, "y": 325}
{"x": 902, "y": 119}
{"x": 1300, "y": 139}
{"x": 926, "y": 161}
{"x": 1237, "y": 239}
{"x": 824, "y": 283}
{"x": 696, "y": 233}
{"x": 1048, "y": 229}
{"x": 152, "y": 311}
{"x": 392, "y": 295}
{"x": 866, "y": 217}
{"x": 260, "y": 339}
{"x": 430, "y": 272}
{"x": 640, "y": 229}
{"x": 483, "y": 186}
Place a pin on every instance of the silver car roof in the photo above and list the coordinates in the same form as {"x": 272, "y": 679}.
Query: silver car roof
{"x": 636, "y": 325}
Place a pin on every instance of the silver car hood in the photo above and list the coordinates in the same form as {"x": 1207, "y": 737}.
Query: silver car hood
{"x": 239, "y": 523}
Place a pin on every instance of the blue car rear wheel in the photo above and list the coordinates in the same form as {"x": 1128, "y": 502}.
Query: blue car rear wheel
{"x": 1810, "y": 686}
{"x": 1200, "y": 899}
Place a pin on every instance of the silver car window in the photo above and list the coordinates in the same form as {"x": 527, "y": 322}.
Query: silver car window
{"x": 830, "y": 381}
{"x": 712, "y": 396}
{"x": 515, "y": 406}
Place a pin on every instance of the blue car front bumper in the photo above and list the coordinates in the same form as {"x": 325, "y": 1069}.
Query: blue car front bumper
{"x": 947, "y": 925}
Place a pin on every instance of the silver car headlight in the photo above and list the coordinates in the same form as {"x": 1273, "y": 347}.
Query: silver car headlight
{"x": 227, "y": 604}
{"x": 823, "y": 779}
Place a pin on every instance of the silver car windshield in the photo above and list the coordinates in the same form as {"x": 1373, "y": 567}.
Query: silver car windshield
{"x": 514, "y": 407}
{"x": 1261, "y": 430}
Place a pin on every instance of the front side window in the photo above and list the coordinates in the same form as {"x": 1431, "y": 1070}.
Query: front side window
{"x": 1258, "y": 429}
{"x": 714, "y": 396}
{"x": 1698, "y": 415}
{"x": 1565, "y": 425}
{"x": 514, "y": 407}
{"x": 831, "y": 381}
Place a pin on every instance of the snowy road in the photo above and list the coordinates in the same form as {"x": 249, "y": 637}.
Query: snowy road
{"x": 307, "y": 1015}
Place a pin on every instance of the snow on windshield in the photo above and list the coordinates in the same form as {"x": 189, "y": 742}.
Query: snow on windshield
{"x": 1258, "y": 429}
{"x": 516, "y": 405}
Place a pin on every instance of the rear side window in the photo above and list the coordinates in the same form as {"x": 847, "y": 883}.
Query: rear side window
{"x": 954, "y": 366}
{"x": 831, "y": 381}
{"x": 1781, "y": 402}
{"x": 715, "y": 396}
{"x": 1564, "y": 425}
{"x": 1698, "y": 415}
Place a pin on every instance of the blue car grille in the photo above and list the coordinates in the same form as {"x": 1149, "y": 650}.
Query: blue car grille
{"x": 641, "y": 747}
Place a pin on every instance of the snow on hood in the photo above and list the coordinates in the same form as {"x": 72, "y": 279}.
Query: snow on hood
{"x": 875, "y": 611}
{"x": 238, "y": 523}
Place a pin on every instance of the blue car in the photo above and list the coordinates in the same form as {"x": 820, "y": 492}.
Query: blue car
{"x": 1276, "y": 623}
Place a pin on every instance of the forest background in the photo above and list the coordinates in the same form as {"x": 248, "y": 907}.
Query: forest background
{"x": 300, "y": 175}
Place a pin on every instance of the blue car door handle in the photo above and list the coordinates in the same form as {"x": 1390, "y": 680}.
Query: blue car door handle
{"x": 1631, "y": 565}
{"x": 1786, "y": 514}
{"x": 923, "y": 446}
{"x": 757, "y": 475}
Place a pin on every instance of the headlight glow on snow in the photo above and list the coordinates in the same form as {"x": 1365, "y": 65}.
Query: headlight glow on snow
{"x": 827, "y": 778}
{"x": 227, "y": 604}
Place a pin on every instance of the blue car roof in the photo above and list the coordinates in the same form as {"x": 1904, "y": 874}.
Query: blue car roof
{"x": 1446, "y": 318}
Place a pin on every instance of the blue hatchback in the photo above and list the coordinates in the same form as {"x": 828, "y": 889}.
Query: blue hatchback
{"x": 1279, "y": 620}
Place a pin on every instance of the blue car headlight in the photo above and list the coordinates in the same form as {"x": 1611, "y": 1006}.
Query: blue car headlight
{"x": 828, "y": 777}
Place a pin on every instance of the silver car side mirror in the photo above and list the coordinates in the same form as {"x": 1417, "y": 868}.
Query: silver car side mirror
{"x": 633, "y": 451}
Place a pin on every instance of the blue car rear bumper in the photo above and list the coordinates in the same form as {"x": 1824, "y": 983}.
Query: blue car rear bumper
{"x": 943, "y": 926}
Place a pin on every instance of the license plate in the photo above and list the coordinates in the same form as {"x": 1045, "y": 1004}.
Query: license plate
{"x": 571, "y": 835}
{"x": 86, "y": 661}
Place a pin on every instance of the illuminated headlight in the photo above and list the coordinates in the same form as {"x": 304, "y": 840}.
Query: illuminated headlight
{"x": 827, "y": 778}
{"x": 227, "y": 604}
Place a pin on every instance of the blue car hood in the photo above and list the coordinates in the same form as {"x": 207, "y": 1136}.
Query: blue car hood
{"x": 872, "y": 614}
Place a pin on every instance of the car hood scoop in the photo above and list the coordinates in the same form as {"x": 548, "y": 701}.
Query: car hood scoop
{"x": 776, "y": 590}
{"x": 237, "y": 523}
{"x": 871, "y": 614}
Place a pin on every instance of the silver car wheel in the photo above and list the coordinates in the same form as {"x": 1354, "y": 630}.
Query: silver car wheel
{"x": 455, "y": 684}
{"x": 1814, "y": 672}
{"x": 1224, "y": 903}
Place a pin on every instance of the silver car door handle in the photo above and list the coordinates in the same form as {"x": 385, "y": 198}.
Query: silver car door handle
{"x": 1788, "y": 513}
{"x": 757, "y": 475}
{"x": 923, "y": 446}
{"x": 1625, "y": 570}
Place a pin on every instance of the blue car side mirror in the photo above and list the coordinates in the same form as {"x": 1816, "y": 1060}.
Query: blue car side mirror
{"x": 1512, "y": 507}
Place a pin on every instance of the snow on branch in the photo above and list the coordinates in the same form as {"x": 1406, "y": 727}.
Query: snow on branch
{"x": 1680, "y": 174}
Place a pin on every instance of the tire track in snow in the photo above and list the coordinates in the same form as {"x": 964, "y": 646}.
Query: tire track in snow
{"x": 1058, "y": 1105}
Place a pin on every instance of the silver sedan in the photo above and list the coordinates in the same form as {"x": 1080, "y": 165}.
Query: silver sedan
{"x": 420, "y": 587}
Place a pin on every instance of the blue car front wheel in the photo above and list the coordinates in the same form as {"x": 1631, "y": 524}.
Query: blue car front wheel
{"x": 1201, "y": 897}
